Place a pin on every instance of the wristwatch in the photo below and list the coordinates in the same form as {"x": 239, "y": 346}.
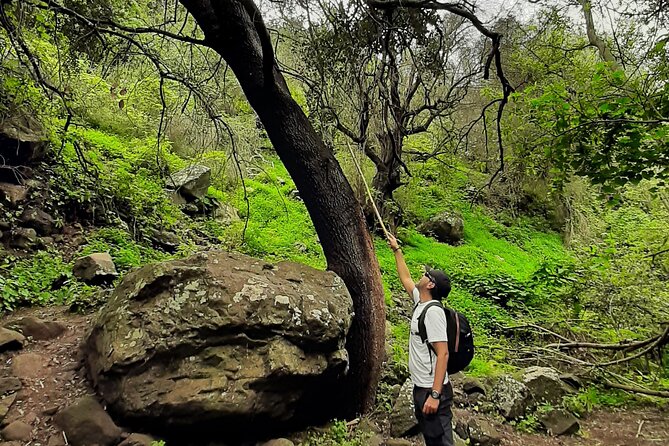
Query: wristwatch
{"x": 434, "y": 394}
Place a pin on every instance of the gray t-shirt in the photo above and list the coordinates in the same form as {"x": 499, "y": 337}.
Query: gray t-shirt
{"x": 421, "y": 364}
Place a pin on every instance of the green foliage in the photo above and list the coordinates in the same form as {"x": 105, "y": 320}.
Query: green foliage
{"x": 338, "y": 434}
{"x": 125, "y": 252}
{"x": 39, "y": 280}
{"x": 590, "y": 398}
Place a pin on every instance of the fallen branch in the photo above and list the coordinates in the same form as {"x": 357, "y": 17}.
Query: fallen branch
{"x": 635, "y": 389}
{"x": 619, "y": 346}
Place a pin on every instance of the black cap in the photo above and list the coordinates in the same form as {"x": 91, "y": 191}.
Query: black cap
{"x": 442, "y": 284}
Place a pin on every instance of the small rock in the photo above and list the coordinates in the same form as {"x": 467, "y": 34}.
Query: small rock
{"x": 192, "y": 182}
{"x": 86, "y": 423}
{"x": 95, "y": 268}
{"x": 28, "y": 365}
{"x": 375, "y": 440}
{"x": 38, "y": 329}
{"x": 544, "y": 384}
{"x": 560, "y": 422}
{"x": 5, "y": 405}
{"x": 457, "y": 440}
{"x": 39, "y": 220}
{"x": 10, "y": 340}
{"x": 511, "y": 397}
{"x": 137, "y": 440}
{"x": 461, "y": 429}
{"x": 23, "y": 238}
{"x": 56, "y": 440}
{"x": 31, "y": 418}
{"x": 226, "y": 213}
{"x": 166, "y": 240}
{"x": 472, "y": 385}
{"x": 402, "y": 417}
{"x": 482, "y": 433}
{"x": 51, "y": 410}
{"x": 13, "y": 194}
{"x": 571, "y": 380}
{"x": 9, "y": 385}
{"x": 447, "y": 227}
{"x": 279, "y": 442}
{"x": 18, "y": 430}
{"x": 398, "y": 442}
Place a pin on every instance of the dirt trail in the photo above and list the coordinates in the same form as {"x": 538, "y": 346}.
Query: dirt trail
{"x": 53, "y": 378}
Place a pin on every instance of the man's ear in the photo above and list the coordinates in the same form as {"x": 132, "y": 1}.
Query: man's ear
{"x": 430, "y": 285}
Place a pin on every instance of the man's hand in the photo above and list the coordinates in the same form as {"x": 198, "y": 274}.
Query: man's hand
{"x": 431, "y": 405}
{"x": 392, "y": 242}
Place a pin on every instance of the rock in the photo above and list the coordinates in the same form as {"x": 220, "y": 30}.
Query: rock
{"x": 28, "y": 365}
{"x": 222, "y": 340}
{"x": 447, "y": 227}
{"x": 191, "y": 183}
{"x": 22, "y": 238}
{"x": 457, "y": 440}
{"x": 10, "y": 340}
{"x": 5, "y": 226}
{"x": 398, "y": 442}
{"x": 472, "y": 385}
{"x": 511, "y": 397}
{"x": 137, "y": 440}
{"x": 51, "y": 410}
{"x": 572, "y": 380}
{"x": 402, "y": 417}
{"x": 38, "y": 329}
{"x": 482, "y": 433}
{"x": 11, "y": 443}
{"x": 86, "y": 423}
{"x": 38, "y": 220}
{"x": 95, "y": 268}
{"x": 376, "y": 440}
{"x": 461, "y": 429}
{"x": 30, "y": 418}
{"x": 560, "y": 422}
{"x": 56, "y": 440}
{"x": 166, "y": 240}
{"x": 13, "y": 194}
{"x": 5, "y": 405}
{"x": 22, "y": 139}
{"x": 226, "y": 213}
{"x": 460, "y": 398}
{"x": 279, "y": 442}
{"x": 17, "y": 431}
{"x": 9, "y": 385}
{"x": 545, "y": 384}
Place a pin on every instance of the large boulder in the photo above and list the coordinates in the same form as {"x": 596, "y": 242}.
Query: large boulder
{"x": 447, "y": 227}
{"x": 22, "y": 140}
{"x": 545, "y": 384}
{"x": 402, "y": 417}
{"x": 222, "y": 343}
{"x": 512, "y": 398}
{"x": 190, "y": 183}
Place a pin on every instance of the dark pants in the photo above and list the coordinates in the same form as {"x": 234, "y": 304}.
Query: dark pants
{"x": 436, "y": 428}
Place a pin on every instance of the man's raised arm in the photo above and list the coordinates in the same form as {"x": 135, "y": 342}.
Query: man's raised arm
{"x": 402, "y": 269}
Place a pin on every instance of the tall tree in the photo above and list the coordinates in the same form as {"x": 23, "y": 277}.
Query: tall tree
{"x": 235, "y": 30}
{"x": 380, "y": 76}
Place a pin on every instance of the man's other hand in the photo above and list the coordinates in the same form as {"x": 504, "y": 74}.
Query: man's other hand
{"x": 431, "y": 405}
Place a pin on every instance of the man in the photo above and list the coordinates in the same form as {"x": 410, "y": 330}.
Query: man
{"x": 432, "y": 392}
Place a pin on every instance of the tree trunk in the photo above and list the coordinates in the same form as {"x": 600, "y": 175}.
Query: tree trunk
{"x": 235, "y": 30}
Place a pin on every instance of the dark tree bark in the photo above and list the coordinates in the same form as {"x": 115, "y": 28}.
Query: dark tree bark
{"x": 234, "y": 29}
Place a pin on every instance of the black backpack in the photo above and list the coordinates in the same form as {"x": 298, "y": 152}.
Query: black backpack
{"x": 460, "y": 337}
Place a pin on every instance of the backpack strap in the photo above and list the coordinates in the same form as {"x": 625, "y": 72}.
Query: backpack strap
{"x": 422, "y": 329}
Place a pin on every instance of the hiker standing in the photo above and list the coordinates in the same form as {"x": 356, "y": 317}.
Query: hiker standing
{"x": 432, "y": 391}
